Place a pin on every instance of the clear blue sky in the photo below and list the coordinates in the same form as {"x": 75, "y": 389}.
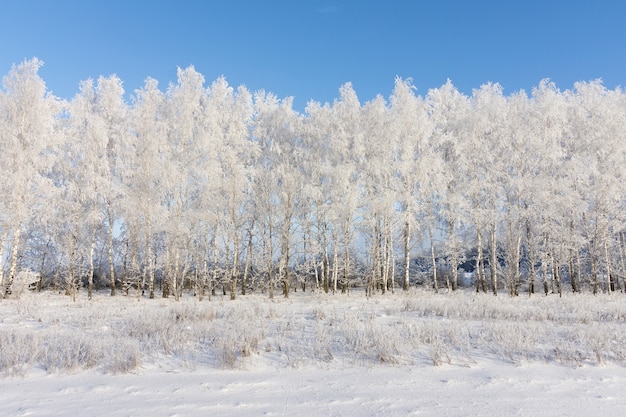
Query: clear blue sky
{"x": 308, "y": 48}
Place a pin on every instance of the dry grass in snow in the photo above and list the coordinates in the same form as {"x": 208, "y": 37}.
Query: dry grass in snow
{"x": 121, "y": 334}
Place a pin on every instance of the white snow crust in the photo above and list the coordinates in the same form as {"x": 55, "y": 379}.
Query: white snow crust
{"x": 193, "y": 381}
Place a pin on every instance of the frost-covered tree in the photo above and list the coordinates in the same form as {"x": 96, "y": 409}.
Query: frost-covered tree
{"x": 278, "y": 185}
{"x": 380, "y": 185}
{"x": 449, "y": 111}
{"x": 111, "y": 113}
{"x": 597, "y": 116}
{"x": 414, "y": 164}
{"x": 315, "y": 131}
{"x": 186, "y": 104}
{"x": 335, "y": 142}
{"x": 486, "y": 146}
{"x": 28, "y": 118}
{"x": 83, "y": 176}
{"x": 195, "y": 186}
{"x": 236, "y": 154}
{"x": 148, "y": 177}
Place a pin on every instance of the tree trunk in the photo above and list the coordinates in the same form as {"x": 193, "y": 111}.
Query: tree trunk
{"x": 2, "y": 245}
{"x": 556, "y": 262}
{"x": 246, "y": 268}
{"x": 545, "y": 263}
{"x": 13, "y": 268}
{"x": 407, "y": 255}
{"x": 55, "y": 282}
{"x": 594, "y": 272}
{"x": 205, "y": 268}
{"x": 531, "y": 258}
{"x": 433, "y": 260}
{"x": 326, "y": 263}
{"x": 285, "y": 256}
{"x": 379, "y": 277}
{"x": 125, "y": 268}
{"x": 134, "y": 270}
{"x": 622, "y": 257}
{"x": 149, "y": 264}
{"x": 183, "y": 274}
{"x": 393, "y": 271}
{"x": 167, "y": 276}
{"x": 174, "y": 275}
{"x": 515, "y": 265}
{"x": 111, "y": 264}
{"x": 480, "y": 270}
{"x": 454, "y": 260}
{"x": 572, "y": 262}
{"x": 346, "y": 269}
{"x": 270, "y": 262}
{"x": 335, "y": 269}
{"x": 493, "y": 262}
{"x": 71, "y": 280}
{"x": 609, "y": 272}
{"x": 214, "y": 274}
{"x": 235, "y": 269}
{"x": 41, "y": 269}
{"x": 591, "y": 246}
{"x": 384, "y": 256}
{"x": 92, "y": 249}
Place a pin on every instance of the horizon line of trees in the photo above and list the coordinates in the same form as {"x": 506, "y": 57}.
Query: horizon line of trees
{"x": 222, "y": 188}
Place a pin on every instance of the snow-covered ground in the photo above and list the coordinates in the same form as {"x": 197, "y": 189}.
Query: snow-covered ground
{"x": 484, "y": 389}
{"x": 420, "y": 353}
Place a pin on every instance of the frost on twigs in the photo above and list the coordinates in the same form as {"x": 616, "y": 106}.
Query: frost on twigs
{"x": 23, "y": 281}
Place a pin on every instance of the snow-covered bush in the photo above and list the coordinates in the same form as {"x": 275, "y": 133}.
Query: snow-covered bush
{"x": 22, "y": 281}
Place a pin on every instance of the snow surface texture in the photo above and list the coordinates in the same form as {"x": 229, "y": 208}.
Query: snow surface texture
{"x": 420, "y": 353}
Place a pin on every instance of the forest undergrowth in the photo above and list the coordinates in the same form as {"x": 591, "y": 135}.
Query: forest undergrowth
{"x": 48, "y": 331}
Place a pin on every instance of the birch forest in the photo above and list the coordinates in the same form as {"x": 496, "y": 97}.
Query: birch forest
{"x": 205, "y": 189}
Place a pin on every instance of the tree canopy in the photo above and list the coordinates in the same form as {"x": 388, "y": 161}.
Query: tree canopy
{"x": 219, "y": 188}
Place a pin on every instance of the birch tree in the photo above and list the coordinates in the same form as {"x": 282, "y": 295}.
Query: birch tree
{"x": 148, "y": 177}
{"x": 380, "y": 195}
{"x": 112, "y": 110}
{"x": 449, "y": 112}
{"x": 415, "y": 169}
{"x": 27, "y": 132}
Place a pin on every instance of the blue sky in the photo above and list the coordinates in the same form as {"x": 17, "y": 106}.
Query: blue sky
{"x": 308, "y": 48}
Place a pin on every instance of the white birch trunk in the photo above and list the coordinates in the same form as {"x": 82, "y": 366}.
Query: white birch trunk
{"x": 235, "y": 268}
{"x": 607, "y": 259}
{"x": 3, "y": 243}
{"x": 111, "y": 265}
{"x": 71, "y": 282}
{"x": 622, "y": 258}
{"x": 433, "y": 260}
{"x": 246, "y": 268}
{"x": 134, "y": 270}
{"x": 454, "y": 262}
{"x": 174, "y": 274}
{"x": 149, "y": 268}
{"x": 346, "y": 269}
{"x": 480, "y": 271}
{"x": 531, "y": 258}
{"x": 407, "y": 255}
{"x": 13, "y": 268}
{"x": 92, "y": 249}
{"x": 214, "y": 274}
{"x": 335, "y": 269}
{"x": 545, "y": 261}
{"x": 493, "y": 262}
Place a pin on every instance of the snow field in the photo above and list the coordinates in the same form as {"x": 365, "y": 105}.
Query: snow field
{"x": 313, "y": 354}
{"x": 122, "y": 334}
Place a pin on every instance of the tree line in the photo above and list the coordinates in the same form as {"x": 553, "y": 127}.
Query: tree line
{"x": 216, "y": 188}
